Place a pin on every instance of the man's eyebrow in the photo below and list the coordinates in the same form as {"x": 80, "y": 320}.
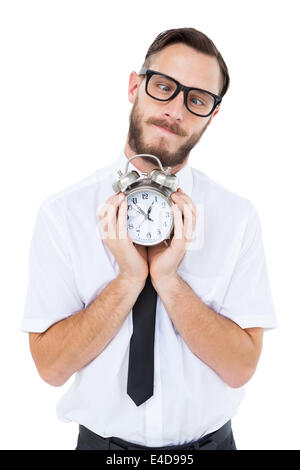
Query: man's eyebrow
{"x": 172, "y": 78}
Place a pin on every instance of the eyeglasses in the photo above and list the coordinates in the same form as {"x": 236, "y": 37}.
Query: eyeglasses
{"x": 161, "y": 87}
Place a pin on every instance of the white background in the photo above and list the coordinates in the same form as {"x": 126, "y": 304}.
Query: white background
{"x": 64, "y": 113}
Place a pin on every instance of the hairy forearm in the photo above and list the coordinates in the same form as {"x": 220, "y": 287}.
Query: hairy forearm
{"x": 72, "y": 343}
{"x": 216, "y": 340}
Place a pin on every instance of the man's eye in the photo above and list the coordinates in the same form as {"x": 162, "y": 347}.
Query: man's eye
{"x": 163, "y": 87}
{"x": 196, "y": 101}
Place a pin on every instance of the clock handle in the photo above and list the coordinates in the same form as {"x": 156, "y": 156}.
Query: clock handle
{"x": 144, "y": 155}
{"x": 161, "y": 177}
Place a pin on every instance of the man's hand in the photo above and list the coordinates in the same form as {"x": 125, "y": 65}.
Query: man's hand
{"x": 132, "y": 260}
{"x": 164, "y": 260}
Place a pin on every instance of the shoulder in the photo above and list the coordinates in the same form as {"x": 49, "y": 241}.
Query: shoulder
{"x": 80, "y": 195}
{"x": 220, "y": 200}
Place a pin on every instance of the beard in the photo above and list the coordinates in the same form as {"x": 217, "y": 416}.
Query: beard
{"x": 138, "y": 145}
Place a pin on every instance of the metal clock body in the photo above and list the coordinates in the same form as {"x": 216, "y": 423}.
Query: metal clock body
{"x": 149, "y": 206}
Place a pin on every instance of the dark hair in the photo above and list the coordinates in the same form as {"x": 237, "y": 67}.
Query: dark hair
{"x": 193, "y": 38}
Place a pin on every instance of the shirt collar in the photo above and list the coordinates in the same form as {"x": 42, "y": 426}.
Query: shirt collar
{"x": 184, "y": 175}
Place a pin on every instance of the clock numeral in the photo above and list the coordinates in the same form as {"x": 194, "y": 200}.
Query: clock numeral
{"x": 158, "y": 231}
{"x": 167, "y": 215}
{"x": 155, "y": 198}
{"x": 149, "y": 235}
{"x": 145, "y": 195}
{"x": 130, "y": 226}
{"x": 134, "y": 200}
{"x": 165, "y": 224}
{"x": 129, "y": 207}
{"x": 163, "y": 204}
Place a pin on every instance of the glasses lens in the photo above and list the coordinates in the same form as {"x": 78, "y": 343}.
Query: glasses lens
{"x": 161, "y": 88}
{"x": 200, "y": 102}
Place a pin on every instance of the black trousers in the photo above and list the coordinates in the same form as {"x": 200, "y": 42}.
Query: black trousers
{"x": 227, "y": 444}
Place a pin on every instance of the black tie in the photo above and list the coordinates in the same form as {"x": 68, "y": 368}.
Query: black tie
{"x": 141, "y": 353}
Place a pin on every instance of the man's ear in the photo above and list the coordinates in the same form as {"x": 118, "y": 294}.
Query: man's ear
{"x": 216, "y": 111}
{"x": 134, "y": 81}
{"x": 213, "y": 114}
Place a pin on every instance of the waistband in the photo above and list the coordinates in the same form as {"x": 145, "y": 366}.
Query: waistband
{"x": 208, "y": 442}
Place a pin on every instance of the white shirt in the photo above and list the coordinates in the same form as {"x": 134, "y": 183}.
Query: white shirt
{"x": 69, "y": 266}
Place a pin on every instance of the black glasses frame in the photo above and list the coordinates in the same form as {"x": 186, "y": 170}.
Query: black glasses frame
{"x": 180, "y": 87}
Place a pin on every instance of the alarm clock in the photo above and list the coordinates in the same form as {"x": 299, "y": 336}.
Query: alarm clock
{"x": 149, "y": 205}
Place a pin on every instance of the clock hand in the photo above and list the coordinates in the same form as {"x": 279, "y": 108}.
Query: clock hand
{"x": 150, "y": 209}
{"x": 137, "y": 211}
{"x": 140, "y": 210}
{"x": 146, "y": 219}
{"x": 142, "y": 214}
{"x": 142, "y": 222}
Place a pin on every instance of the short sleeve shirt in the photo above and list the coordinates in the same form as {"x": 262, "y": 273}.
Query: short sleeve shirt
{"x": 225, "y": 265}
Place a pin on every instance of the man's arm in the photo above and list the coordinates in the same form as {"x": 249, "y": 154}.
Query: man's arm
{"x": 72, "y": 343}
{"x": 232, "y": 352}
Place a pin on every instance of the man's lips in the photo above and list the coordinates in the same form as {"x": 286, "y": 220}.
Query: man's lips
{"x": 165, "y": 129}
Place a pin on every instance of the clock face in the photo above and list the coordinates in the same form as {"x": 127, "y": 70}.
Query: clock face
{"x": 149, "y": 217}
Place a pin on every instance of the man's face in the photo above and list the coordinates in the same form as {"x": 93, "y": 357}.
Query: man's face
{"x": 167, "y": 129}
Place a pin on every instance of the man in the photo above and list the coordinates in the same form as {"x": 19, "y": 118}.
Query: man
{"x": 213, "y": 302}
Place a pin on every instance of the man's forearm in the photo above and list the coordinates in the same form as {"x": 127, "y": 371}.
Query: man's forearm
{"x": 72, "y": 343}
{"x": 216, "y": 340}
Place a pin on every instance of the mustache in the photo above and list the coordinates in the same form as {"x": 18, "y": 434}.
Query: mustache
{"x": 163, "y": 123}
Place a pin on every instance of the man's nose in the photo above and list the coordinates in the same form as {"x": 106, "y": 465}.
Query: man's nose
{"x": 175, "y": 107}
